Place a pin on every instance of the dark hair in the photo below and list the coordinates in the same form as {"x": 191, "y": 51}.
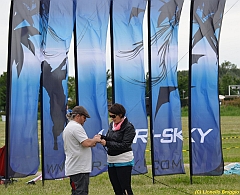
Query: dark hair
{"x": 117, "y": 109}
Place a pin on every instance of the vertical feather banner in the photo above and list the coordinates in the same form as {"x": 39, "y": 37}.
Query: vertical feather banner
{"x": 59, "y": 29}
{"x": 24, "y": 68}
{"x": 166, "y": 109}
{"x": 206, "y": 147}
{"x": 92, "y": 18}
{"x": 129, "y": 73}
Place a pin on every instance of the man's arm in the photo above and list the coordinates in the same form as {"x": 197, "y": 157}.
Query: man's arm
{"x": 91, "y": 142}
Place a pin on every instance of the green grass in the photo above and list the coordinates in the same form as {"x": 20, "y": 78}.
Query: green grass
{"x": 143, "y": 184}
{"x": 224, "y": 110}
{"x": 229, "y": 110}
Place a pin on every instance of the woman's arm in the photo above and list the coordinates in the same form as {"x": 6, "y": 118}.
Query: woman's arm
{"x": 126, "y": 142}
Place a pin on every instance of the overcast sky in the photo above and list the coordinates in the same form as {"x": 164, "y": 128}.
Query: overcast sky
{"x": 229, "y": 37}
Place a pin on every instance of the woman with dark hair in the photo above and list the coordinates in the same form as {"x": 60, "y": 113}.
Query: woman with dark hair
{"x": 118, "y": 141}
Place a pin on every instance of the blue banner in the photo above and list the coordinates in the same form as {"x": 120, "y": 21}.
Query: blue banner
{"x": 92, "y": 18}
{"x": 25, "y": 70}
{"x": 54, "y": 66}
{"x": 166, "y": 109}
{"x": 129, "y": 72}
{"x": 206, "y": 151}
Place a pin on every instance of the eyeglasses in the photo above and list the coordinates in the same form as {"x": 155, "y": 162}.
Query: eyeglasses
{"x": 113, "y": 116}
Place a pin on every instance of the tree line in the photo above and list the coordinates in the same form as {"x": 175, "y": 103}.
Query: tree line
{"x": 229, "y": 74}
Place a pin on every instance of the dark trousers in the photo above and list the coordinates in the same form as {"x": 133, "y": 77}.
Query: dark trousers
{"x": 79, "y": 183}
{"x": 120, "y": 178}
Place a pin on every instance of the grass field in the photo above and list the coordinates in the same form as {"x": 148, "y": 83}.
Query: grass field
{"x": 143, "y": 184}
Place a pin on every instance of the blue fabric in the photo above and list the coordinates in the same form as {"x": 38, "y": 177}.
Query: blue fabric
{"x": 91, "y": 29}
{"x": 166, "y": 108}
{"x": 25, "y": 70}
{"x": 129, "y": 72}
{"x": 54, "y": 79}
{"x": 40, "y": 41}
{"x": 207, "y": 158}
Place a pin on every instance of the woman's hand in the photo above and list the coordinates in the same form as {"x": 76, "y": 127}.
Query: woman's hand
{"x": 103, "y": 142}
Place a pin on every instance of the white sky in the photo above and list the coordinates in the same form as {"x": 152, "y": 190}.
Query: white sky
{"x": 229, "y": 37}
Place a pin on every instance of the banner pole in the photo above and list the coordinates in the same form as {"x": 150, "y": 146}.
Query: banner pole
{"x": 112, "y": 50}
{"x": 8, "y": 102}
{"x": 189, "y": 89}
{"x": 76, "y": 61}
{"x": 42, "y": 126}
{"x": 150, "y": 85}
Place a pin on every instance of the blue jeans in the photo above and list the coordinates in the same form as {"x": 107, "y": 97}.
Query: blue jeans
{"x": 79, "y": 183}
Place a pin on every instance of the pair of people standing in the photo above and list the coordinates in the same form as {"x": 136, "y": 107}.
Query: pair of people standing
{"x": 118, "y": 141}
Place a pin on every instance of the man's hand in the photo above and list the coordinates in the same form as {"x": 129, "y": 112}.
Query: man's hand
{"x": 92, "y": 142}
{"x": 97, "y": 138}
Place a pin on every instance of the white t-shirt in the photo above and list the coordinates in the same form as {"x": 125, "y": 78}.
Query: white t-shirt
{"x": 78, "y": 157}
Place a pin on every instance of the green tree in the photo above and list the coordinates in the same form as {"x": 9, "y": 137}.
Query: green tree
{"x": 224, "y": 82}
{"x": 226, "y": 67}
{"x": 109, "y": 85}
{"x": 229, "y": 74}
{"x": 3, "y": 91}
{"x": 71, "y": 88}
{"x": 71, "y": 92}
{"x": 147, "y": 85}
{"x": 183, "y": 83}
